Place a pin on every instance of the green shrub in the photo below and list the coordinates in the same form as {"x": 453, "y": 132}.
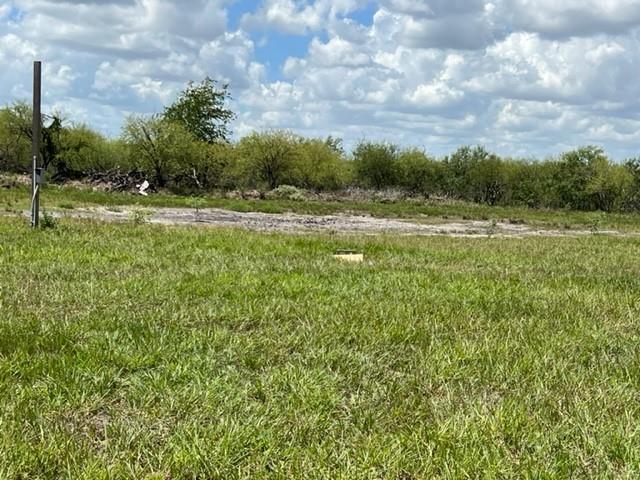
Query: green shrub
{"x": 319, "y": 165}
{"x": 632, "y": 198}
{"x": 204, "y": 168}
{"x": 529, "y": 184}
{"x": 286, "y": 192}
{"x": 419, "y": 173}
{"x": 268, "y": 159}
{"x": 15, "y": 145}
{"x": 609, "y": 186}
{"x": 588, "y": 180}
{"x": 573, "y": 176}
{"x": 376, "y": 164}
{"x": 82, "y": 151}
{"x": 458, "y": 167}
{"x": 487, "y": 180}
{"x": 159, "y": 148}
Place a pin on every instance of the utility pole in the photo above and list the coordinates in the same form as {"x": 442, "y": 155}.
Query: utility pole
{"x": 36, "y": 131}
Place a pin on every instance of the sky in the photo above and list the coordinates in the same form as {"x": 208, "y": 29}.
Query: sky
{"x": 525, "y": 78}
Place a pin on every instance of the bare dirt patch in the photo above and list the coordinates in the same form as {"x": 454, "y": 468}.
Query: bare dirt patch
{"x": 343, "y": 223}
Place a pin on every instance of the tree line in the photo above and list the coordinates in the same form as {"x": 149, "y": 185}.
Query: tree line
{"x": 186, "y": 149}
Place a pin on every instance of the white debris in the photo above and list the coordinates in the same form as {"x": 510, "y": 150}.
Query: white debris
{"x": 142, "y": 189}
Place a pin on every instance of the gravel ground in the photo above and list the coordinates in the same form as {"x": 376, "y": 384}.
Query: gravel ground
{"x": 295, "y": 223}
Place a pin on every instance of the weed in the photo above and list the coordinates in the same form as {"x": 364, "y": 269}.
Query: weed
{"x": 139, "y": 216}
{"x": 492, "y": 228}
{"x": 48, "y": 221}
{"x": 197, "y": 203}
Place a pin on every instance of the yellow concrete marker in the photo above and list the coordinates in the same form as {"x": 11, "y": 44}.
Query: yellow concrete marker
{"x": 349, "y": 256}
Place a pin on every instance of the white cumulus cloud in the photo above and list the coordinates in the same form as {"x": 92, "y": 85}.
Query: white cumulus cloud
{"x": 525, "y": 77}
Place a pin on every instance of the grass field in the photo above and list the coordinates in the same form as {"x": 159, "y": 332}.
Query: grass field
{"x": 67, "y": 198}
{"x": 180, "y": 353}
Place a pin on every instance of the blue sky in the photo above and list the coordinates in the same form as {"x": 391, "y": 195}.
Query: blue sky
{"x": 523, "y": 77}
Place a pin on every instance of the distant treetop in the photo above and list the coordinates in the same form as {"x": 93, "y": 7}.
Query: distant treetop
{"x": 201, "y": 108}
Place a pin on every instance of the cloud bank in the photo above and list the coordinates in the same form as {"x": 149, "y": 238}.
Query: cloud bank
{"x": 523, "y": 77}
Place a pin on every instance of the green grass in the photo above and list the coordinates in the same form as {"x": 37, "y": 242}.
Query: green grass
{"x": 143, "y": 351}
{"x": 17, "y": 198}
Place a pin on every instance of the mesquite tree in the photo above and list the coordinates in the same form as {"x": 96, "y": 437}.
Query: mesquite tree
{"x": 201, "y": 109}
